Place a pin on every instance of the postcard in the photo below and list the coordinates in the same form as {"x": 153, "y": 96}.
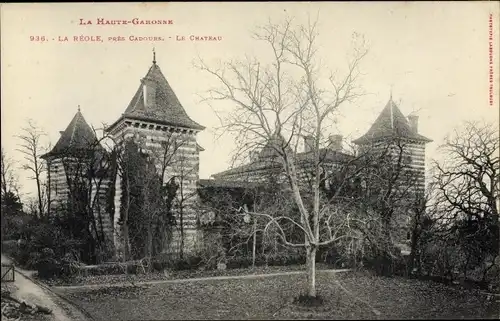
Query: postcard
{"x": 258, "y": 160}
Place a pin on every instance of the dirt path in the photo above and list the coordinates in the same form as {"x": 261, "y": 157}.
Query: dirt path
{"x": 29, "y": 291}
{"x": 213, "y": 278}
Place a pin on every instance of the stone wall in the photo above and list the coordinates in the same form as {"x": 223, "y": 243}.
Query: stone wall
{"x": 175, "y": 153}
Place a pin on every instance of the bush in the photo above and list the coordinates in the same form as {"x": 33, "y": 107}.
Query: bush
{"x": 46, "y": 248}
{"x": 493, "y": 279}
{"x": 387, "y": 262}
{"x": 46, "y": 264}
{"x": 211, "y": 251}
{"x": 14, "y": 225}
{"x": 9, "y": 248}
{"x": 187, "y": 263}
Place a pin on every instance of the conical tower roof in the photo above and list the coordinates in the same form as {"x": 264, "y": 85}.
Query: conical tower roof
{"x": 164, "y": 108}
{"x": 78, "y": 136}
{"x": 391, "y": 123}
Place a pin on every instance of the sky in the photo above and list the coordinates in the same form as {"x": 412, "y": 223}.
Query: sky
{"x": 434, "y": 56}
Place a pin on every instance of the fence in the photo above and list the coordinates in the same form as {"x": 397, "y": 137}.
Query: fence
{"x": 8, "y": 273}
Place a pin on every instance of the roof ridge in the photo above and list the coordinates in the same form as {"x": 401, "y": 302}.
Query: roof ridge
{"x": 77, "y": 118}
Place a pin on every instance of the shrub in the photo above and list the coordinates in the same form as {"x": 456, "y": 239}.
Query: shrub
{"x": 239, "y": 262}
{"x": 14, "y": 225}
{"x": 187, "y": 263}
{"x": 46, "y": 264}
{"x": 9, "y": 248}
{"x": 493, "y": 278}
{"x": 211, "y": 252}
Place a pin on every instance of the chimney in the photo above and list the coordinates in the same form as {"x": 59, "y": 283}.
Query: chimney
{"x": 413, "y": 122}
{"x": 336, "y": 142}
{"x": 308, "y": 143}
{"x": 254, "y": 155}
{"x": 149, "y": 92}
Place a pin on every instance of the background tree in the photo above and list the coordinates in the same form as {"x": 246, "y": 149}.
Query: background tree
{"x": 172, "y": 169}
{"x": 31, "y": 147}
{"x": 421, "y": 224}
{"x": 289, "y": 97}
{"x": 147, "y": 196}
{"x": 183, "y": 198}
{"x": 468, "y": 192}
{"x": 9, "y": 180}
{"x": 129, "y": 165}
{"x": 87, "y": 172}
{"x": 390, "y": 197}
{"x": 10, "y": 201}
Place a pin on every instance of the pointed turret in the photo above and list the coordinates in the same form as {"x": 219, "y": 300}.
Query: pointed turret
{"x": 156, "y": 102}
{"x": 391, "y": 123}
{"x": 78, "y": 136}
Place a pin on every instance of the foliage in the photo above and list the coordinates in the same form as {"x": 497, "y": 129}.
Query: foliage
{"x": 211, "y": 251}
{"x": 49, "y": 247}
{"x": 13, "y": 217}
{"x": 146, "y": 202}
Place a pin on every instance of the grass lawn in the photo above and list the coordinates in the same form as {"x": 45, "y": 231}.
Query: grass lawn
{"x": 270, "y": 298}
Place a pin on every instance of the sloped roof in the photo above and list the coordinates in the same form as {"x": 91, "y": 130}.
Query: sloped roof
{"x": 166, "y": 108}
{"x": 390, "y": 123}
{"x": 202, "y": 183}
{"x": 326, "y": 155}
{"x": 78, "y": 136}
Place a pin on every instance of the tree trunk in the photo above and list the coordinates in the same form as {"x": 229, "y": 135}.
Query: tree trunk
{"x": 415, "y": 236}
{"x": 254, "y": 245}
{"x": 49, "y": 199}
{"x": 181, "y": 221}
{"x": 126, "y": 252}
{"x": 150, "y": 246}
{"x": 39, "y": 191}
{"x": 311, "y": 271}
{"x": 125, "y": 236}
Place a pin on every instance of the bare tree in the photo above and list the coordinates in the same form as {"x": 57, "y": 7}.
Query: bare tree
{"x": 422, "y": 220}
{"x": 390, "y": 189}
{"x": 148, "y": 192}
{"x": 468, "y": 191}
{"x": 31, "y": 147}
{"x": 239, "y": 234}
{"x": 469, "y": 181}
{"x": 10, "y": 181}
{"x": 184, "y": 198}
{"x": 173, "y": 168}
{"x": 278, "y": 103}
{"x": 87, "y": 172}
{"x": 126, "y": 162}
